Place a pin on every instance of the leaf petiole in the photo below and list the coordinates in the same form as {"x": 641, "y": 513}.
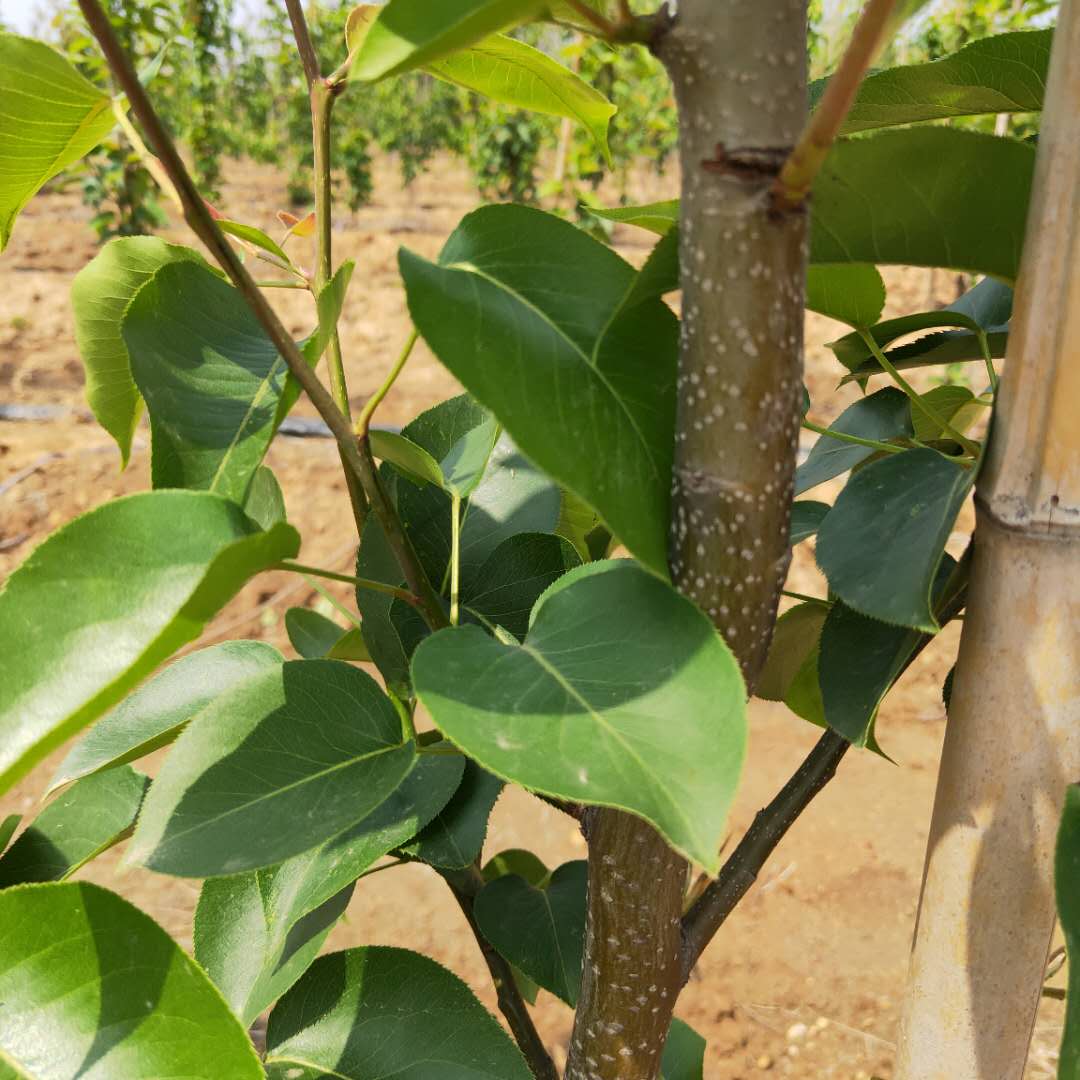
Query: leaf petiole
{"x": 917, "y": 400}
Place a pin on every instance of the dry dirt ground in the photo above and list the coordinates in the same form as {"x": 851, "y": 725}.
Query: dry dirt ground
{"x": 805, "y": 980}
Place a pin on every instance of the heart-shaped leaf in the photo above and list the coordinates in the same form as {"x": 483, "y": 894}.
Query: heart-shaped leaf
{"x": 881, "y": 417}
{"x": 646, "y": 714}
{"x": 1001, "y": 74}
{"x": 155, "y": 714}
{"x": 159, "y": 564}
{"x": 882, "y": 543}
{"x": 85, "y": 820}
{"x": 413, "y": 33}
{"x": 93, "y": 987}
{"x": 99, "y": 294}
{"x": 539, "y": 330}
{"x": 237, "y": 791}
{"x": 52, "y": 116}
{"x": 378, "y": 1012}
{"x": 540, "y": 930}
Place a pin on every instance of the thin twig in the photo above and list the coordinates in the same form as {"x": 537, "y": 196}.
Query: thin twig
{"x": 348, "y": 579}
{"x": 363, "y": 421}
{"x": 856, "y": 440}
{"x": 465, "y": 885}
{"x": 356, "y": 457}
{"x": 304, "y": 45}
{"x": 797, "y": 175}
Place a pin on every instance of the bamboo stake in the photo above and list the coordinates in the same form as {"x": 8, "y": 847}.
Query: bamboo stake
{"x": 1013, "y": 738}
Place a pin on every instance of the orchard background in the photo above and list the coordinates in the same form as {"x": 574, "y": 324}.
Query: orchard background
{"x": 808, "y": 979}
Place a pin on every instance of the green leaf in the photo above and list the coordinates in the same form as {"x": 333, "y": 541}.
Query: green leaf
{"x": 539, "y": 929}
{"x": 350, "y": 646}
{"x": 954, "y": 405}
{"x": 512, "y": 497}
{"x": 265, "y": 504}
{"x": 409, "y": 459}
{"x": 806, "y": 519}
{"x": 255, "y": 237}
{"x": 684, "y": 1053}
{"x": 1067, "y": 890}
{"x": 89, "y": 817}
{"x": 155, "y": 714}
{"x": 237, "y": 791}
{"x": 848, "y": 292}
{"x": 923, "y": 197}
{"x": 8, "y": 825}
{"x": 914, "y": 197}
{"x": 859, "y": 660}
{"x": 514, "y": 73}
{"x": 455, "y": 836}
{"x": 987, "y": 306}
{"x": 647, "y": 714}
{"x": 158, "y": 564}
{"x": 210, "y": 376}
{"x": 794, "y": 640}
{"x": 99, "y": 294}
{"x": 659, "y": 217}
{"x": 539, "y": 331}
{"x": 94, "y": 988}
{"x": 256, "y": 933}
{"x": 312, "y": 635}
{"x": 505, "y": 587}
{"x": 516, "y": 861}
{"x": 882, "y": 417}
{"x": 951, "y": 347}
{"x": 1001, "y": 74}
{"x": 364, "y": 1014}
{"x": 413, "y": 33}
{"x": 248, "y": 948}
{"x": 465, "y": 464}
{"x": 564, "y": 12}
{"x": 52, "y": 116}
{"x": 881, "y": 544}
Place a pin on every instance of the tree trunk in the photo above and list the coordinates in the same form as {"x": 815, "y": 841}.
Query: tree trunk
{"x": 1013, "y": 738}
{"x": 739, "y": 70}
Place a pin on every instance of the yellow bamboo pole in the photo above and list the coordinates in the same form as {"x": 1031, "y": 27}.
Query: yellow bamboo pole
{"x": 1012, "y": 742}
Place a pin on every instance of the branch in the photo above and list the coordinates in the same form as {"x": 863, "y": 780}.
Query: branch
{"x": 198, "y": 216}
{"x": 465, "y": 886}
{"x": 304, "y": 44}
{"x": 797, "y": 175}
{"x": 771, "y": 824}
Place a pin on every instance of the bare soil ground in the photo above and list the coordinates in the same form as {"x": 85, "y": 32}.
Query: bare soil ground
{"x": 805, "y": 980}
